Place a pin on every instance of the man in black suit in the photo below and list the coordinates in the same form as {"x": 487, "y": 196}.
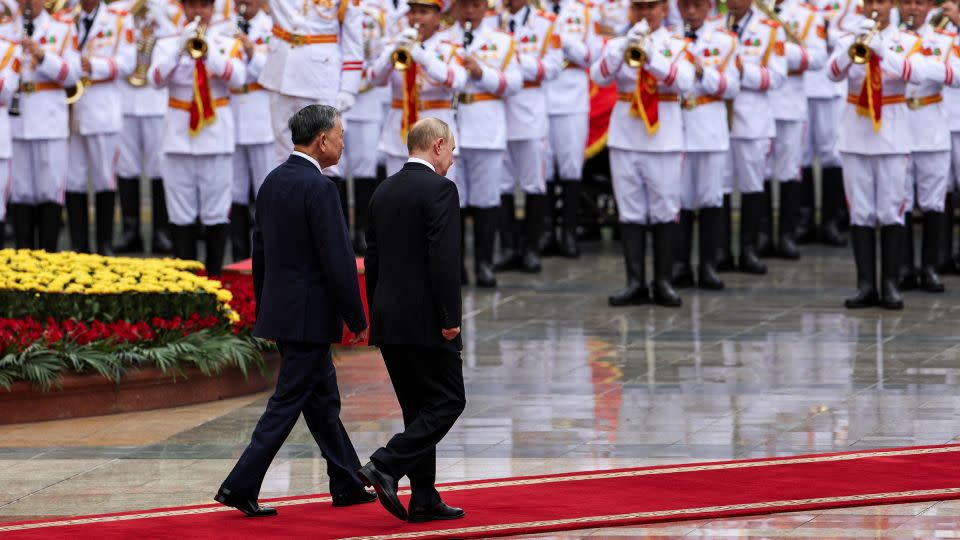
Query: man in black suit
{"x": 305, "y": 282}
{"x": 413, "y": 289}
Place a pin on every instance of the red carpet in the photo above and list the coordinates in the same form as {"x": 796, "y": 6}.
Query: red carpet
{"x": 569, "y": 501}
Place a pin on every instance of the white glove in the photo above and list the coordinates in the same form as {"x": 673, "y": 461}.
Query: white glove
{"x": 615, "y": 49}
{"x": 407, "y": 37}
{"x": 418, "y": 53}
{"x": 866, "y": 25}
{"x": 345, "y": 101}
{"x": 189, "y": 32}
{"x": 638, "y": 29}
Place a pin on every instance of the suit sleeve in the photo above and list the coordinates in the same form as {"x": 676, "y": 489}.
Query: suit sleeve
{"x": 371, "y": 258}
{"x": 330, "y": 237}
{"x": 259, "y": 263}
{"x": 443, "y": 252}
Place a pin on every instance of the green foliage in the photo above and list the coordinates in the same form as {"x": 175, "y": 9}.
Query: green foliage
{"x": 106, "y": 307}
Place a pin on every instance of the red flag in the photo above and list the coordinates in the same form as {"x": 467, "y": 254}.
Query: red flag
{"x": 202, "y": 110}
{"x": 870, "y": 101}
{"x": 645, "y": 103}
{"x": 411, "y": 100}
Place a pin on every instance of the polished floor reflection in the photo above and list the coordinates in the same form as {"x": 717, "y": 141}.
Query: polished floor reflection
{"x": 557, "y": 381}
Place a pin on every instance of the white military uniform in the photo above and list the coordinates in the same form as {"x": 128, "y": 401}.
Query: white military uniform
{"x": 568, "y": 96}
{"x": 929, "y": 171}
{"x": 763, "y": 69}
{"x": 365, "y": 119}
{"x": 141, "y": 137}
{"x": 9, "y": 79}
{"x": 440, "y": 76}
{"x": 613, "y": 17}
{"x": 646, "y": 156}
{"x": 875, "y": 158}
{"x": 540, "y": 60}
{"x": 198, "y": 168}
{"x": 482, "y": 116}
{"x": 789, "y": 102}
{"x": 316, "y": 55}
{"x": 951, "y": 99}
{"x": 706, "y": 135}
{"x": 254, "y": 156}
{"x": 98, "y": 115}
{"x": 40, "y": 148}
{"x": 824, "y": 96}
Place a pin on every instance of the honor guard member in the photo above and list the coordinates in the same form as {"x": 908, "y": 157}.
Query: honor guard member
{"x": 144, "y": 107}
{"x": 568, "y": 103}
{"x": 706, "y": 141}
{"x": 804, "y": 49}
{"x": 763, "y": 69}
{"x": 875, "y": 143}
{"x": 929, "y": 170}
{"x": 198, "y": 66}
{"x": 613, "y": 17}
{"x": 105, "y": 42}
{"x": 254, "y": 156}
{"x": 9, "y": 80}
{"x": 493, "y": 73}
{"x": 540, "y": 57}
{"x": 363, "y": 123}
{"x": 651, "y": 69}
{"x": 48, "y": 64}
{"x": 825, "y": 99}
{"x": 951, "y": 96}
{"x": 315, "y": 56}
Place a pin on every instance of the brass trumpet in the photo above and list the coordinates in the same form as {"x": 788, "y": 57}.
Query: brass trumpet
{"x": 401, "y": 58}
{"x": 197, "y": 45}
{"x": 859, "y": 51}
{"x": 635, "y": 56}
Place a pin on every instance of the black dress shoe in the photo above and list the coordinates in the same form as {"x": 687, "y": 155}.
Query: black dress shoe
{"x": 360, "y": 496}
{"x": 437, "y": 513}
{"x": 243, "y": 504}
{"x": 386, "y": 487}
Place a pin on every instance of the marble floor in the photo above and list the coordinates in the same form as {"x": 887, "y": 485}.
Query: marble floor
{"x": 557, "y": 381}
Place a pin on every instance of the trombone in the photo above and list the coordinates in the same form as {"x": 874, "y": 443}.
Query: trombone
{"x": 196, "y": 46}
{"x": 859, "y": 50}
{"x": 401, "y": 58}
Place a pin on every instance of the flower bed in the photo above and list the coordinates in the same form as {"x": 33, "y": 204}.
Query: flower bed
{"x": 69, "y": 313}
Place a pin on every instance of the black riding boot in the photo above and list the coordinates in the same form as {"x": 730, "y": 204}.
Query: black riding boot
{"x": 891, "y": 237}
{"x": 682, "y": 273}
{"x": 765, "y": 247}
{"x": 909, "y": 278}
{"x": 945, "y": 262}
{"x": 806, "y": 229}
{"x": 484, "y": 234}
{"x": 724, "y": 257}
{"x": 362, "y": 191}
{"x": 78, "y": 221}
{"x": 51, "y": 216}
{"x": 216, "y": 244}
{"x": 536, "y": 205}
{"x": 633, "y": 239}
{"x": 510, "y": 258}
{"x": 789, "y": 199}
{"x": 865, "y": 256}
{"x": 710, "y": 229}
{"x": 549, "y": 242}
{"x": 105, "y": 202}
{"x": 930, "y": 252}
{"x": 239, "y": 231}
{"x": 751, "y": 209}
{"x": 130, "y": 239}
{"x": 664, "y": 248}
{"x": 184, "y": 239}
{"x": 832, "y": 207}
{"x": 571, "y": 217}
{"x": 160, "y": 241}
{"x": 23, "y": 217}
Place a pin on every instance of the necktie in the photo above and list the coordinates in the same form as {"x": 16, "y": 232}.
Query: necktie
{"x": 556, "y": 8}
{"x": 512, "y": 25}
{"x": 735, "y": 28}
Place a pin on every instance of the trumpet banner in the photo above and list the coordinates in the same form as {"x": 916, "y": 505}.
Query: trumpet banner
{"x": 602, "y": 101}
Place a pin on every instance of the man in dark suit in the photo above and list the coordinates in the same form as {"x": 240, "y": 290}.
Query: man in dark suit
{"x": 305, "y": 282}
{"x": 413, "y": 289}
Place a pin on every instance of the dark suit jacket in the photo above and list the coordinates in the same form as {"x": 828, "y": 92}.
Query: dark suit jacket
{"x": 304, "y": 270}
{"x": 412, "y": 262}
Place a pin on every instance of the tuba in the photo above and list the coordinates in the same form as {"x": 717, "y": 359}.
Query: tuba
{"x": 401, "y": 58}
{"x": 196, "y": 47}
{"x": 859, "y": 50}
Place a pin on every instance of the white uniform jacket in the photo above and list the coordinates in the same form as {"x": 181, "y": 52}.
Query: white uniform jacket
{"x": 369, "y": 105}
{"x": 9, "y": 79}
{"x": 763, "y": 68}
{"x": 929, "y": 132}
{"x": 704, "y": 108}
{"x": 576, "y": 25}
{"x": 250, "y": 101}
{"x": 790, "y": 100}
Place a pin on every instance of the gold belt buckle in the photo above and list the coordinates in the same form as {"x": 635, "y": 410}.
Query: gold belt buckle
{"x": 914, "y": 103}
{"x": 28, "y": 87}
{"x": 297, "y": 40}
{"x": 466, "y": 99}
{"x": 690, "y": 103}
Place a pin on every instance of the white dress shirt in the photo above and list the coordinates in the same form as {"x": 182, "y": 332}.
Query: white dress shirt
{"x": 308, "y": 158}
{"x": 422, "y": 162}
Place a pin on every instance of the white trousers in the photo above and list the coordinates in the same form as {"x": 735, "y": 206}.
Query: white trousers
{"x": 875, "y": 187}
{"x": 198, "y": 186}
{"x": 282, "y": 107}
{"x": 141, "y": 142}
{"x": 646, "y": 185}
{"x": 787, "y": 156}
{"x": 5, "y": 165}
{"x": 822, "y": 129}
{"x": 954, "y": 159}
{"x": 39, "y": 173}
{"x": 701, "y": 185}
{"x": 927, "y": 177}
{"x": 748, "y": 159}
{"x": 478, "y": 177}
{"x": 526, "y": 166}
{"x": 96, "y": 155}
{"x": 359, "y": 158}
{"x": 251, "y": 165}
{"x": 568, "y": 142}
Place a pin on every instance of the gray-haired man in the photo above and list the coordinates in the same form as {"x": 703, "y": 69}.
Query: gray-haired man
{"x": 305, "y": 290}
